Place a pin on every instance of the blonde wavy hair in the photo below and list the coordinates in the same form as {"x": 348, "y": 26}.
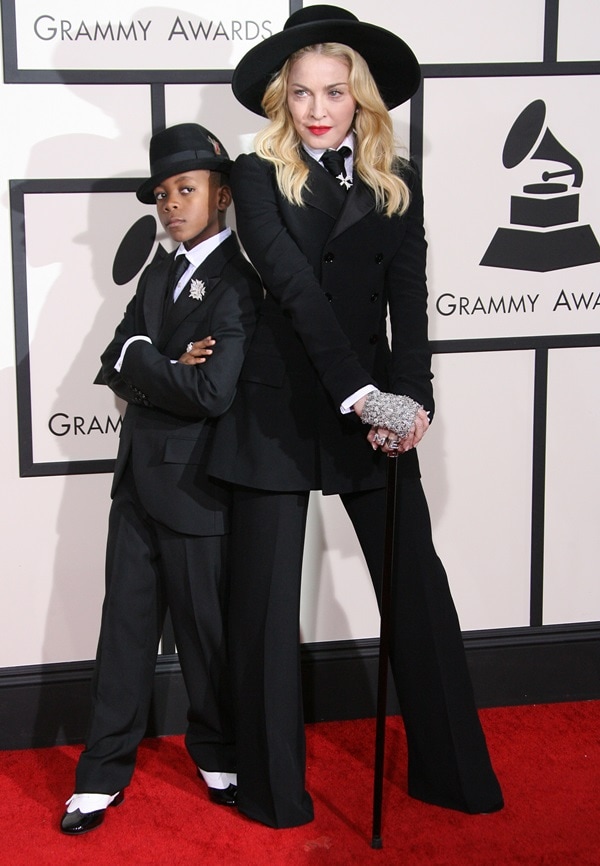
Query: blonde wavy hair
{"x": 375, "y": 159}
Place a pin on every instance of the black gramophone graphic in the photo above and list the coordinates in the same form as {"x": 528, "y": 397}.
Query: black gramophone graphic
{"x": 134, "y": 249}
{"x": 553, "y": 238}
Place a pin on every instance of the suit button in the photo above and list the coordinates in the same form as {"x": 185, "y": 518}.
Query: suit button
{"x": 328, "y": 258}
{"x": 374, "y": 338}
{"x": 374, "y": 297}
{"x": 329, "y": 296}
{"x": 379, "y": 258}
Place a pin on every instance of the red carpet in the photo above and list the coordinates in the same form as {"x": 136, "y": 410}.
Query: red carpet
{"x": 547, "y": 758}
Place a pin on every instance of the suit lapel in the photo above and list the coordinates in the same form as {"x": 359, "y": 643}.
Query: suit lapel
{"x": 346, "y": 208}
{"x": 359, "y": 202}
{"x": 322, "y": 191}
{"x": 154, "y": 295}
{"x": 199, "y": 288}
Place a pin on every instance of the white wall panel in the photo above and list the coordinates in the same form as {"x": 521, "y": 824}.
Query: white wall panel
{"x": 122, "y": 35}
{"x": 338, "y": 601}
{"x": 579, "y": 30}
{"x": 214, "y": 106}
{"x": 52, "y": 565}
{"x": 476, "y": 466}
{"x": 572, "y": 551}
{"x": 465, "y": 31}
{"x": 75, "y": 130}
{"x": 468, "y": 196}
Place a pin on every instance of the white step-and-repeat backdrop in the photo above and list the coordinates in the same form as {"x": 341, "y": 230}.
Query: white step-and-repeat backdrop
{"x": 506, "y": 128}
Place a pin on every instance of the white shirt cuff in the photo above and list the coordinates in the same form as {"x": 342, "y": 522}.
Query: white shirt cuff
{"x": 126, "y": 345}
{"x": 349, "y": 402}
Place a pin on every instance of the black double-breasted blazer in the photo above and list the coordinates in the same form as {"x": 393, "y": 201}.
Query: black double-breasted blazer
{"x": 169, "y": 421}
{"x": 332, "y": 270}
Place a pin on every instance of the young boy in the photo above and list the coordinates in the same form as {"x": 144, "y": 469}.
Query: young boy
{"x": 168, "y": 520}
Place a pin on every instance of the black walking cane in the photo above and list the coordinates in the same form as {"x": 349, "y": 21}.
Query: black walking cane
{"x": 384, "y": 645}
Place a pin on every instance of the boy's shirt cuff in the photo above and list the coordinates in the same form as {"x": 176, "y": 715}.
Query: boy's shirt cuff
{"x": 126, "y": 345}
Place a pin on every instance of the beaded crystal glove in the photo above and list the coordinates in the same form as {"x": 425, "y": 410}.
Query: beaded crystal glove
{"x": 393, "y": 411}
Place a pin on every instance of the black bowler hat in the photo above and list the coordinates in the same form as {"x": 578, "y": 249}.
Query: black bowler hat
{"x": 185, "y": 147}
{"x": 391, "y": 62}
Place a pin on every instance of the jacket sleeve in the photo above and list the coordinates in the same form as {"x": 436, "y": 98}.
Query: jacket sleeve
{"x": 201, "y": 390}
{"x": 290, "y": 279}
{"x": 407, "y": 294}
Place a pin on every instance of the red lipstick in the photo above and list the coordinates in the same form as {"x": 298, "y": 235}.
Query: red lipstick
{"x": 319, "y": 130}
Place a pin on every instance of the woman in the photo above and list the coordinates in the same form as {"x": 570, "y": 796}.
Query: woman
{"x": 336, "y": 253}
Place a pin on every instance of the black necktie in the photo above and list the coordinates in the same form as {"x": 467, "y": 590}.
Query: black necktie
{"x": 334, "y": 162}
{"x": 178, "y": 268}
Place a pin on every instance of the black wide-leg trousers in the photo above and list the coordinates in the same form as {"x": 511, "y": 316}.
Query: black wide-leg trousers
{"x": 149, "y": 566}
{"x": 448, "y": 761}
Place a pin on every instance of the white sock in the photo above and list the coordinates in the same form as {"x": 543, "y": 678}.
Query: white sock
{"x": 221, "y": 781}
{"x": 87, "y": 803}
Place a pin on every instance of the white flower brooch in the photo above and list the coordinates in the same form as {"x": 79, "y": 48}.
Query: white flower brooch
{"x": 197, "y": 290}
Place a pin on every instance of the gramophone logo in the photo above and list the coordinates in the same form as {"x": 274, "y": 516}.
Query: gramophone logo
{"x": 545, "y": 233}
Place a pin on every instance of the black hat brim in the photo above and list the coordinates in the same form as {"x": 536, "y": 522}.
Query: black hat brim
{"x": 145, "y": 192}
{"x": 391, "y": 61}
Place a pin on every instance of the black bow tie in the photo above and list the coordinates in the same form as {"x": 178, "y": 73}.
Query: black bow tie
{"x": 335, "y": 163}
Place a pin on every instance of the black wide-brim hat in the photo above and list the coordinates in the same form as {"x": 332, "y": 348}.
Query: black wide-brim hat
{"x": 180, "y": 148}
{"x": 391, "y": 62}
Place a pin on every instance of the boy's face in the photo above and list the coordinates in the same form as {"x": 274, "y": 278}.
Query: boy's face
{"x": 192, "y": 206}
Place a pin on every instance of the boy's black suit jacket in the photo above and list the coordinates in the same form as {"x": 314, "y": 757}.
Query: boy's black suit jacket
{"x": 332, "y": 269}
{"x": 170, "y": 418}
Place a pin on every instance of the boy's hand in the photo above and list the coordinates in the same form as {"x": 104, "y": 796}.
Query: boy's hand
{"x": 197, "y": 352}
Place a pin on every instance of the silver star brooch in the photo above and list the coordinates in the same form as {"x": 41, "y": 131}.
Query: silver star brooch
{"x": 197, "y": 290}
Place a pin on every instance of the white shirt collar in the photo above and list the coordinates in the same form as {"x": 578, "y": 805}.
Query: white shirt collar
{"x": 196, "y": 256}
{"x": 348, "y": 141}
{"x": 202, "y": 250}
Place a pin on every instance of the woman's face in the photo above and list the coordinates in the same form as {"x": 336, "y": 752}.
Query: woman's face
{"x": 319, "y": 100}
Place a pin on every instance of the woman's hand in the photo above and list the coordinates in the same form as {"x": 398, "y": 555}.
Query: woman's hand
{"x": 389, "y": 442}
{"x": 359, "y": 405}
{"x": 419, "y": 429}
{"x": 197, "y": 352}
